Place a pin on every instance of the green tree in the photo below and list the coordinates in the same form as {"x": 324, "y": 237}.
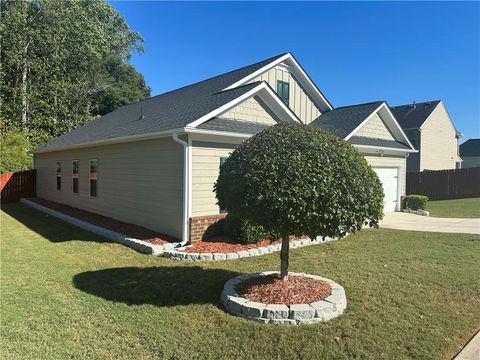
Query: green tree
{"x": 300, "y": 180}
{"x": 61, "y": 60}
{"x": 13, "y": 152}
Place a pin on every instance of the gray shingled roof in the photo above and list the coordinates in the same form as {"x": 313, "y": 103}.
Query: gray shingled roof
{"x": 343, "y": 120}
{"x": 230, "y": 125}
{"x": 360, "y": 140}
{"x": 171, "y": 110}
{"x": 410, "y": 117}
{"x": 470, "y": 147}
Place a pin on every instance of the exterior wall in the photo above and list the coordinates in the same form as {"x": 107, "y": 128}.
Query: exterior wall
{"x": 375, "y": 128}
{"x": 413, "y": 160}
{"x": 139, "y": 182}
{"x": 252, "y": 111}
{"x": 439, "y": 145}
{"x": 204, "y": 227}
{"x": 391, "y": 161}
{"x": 299, "y": 102}
{"x": 470, "y": 162}
{"x": 205, "y": 168}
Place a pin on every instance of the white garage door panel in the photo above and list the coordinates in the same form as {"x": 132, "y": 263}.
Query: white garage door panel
{"x": 389, "y": 179}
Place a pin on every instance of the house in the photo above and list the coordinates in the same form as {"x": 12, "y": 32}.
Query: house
{"x": 470, "y": 153}
{"x": 154, "y": 162}
{"x": 432, "y": 132}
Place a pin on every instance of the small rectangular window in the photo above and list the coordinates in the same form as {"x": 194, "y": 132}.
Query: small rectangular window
{"x": 222, "y": 160}
{"x": 75, "y": 175}
{"x": 59, "y": 175}
{"x": 93, "y": 177}
{"x": 283, "y": 91}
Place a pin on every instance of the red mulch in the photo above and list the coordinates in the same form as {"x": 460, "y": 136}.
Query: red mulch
{"x": 130, "y": 230}
{"x": 271, "y": 289}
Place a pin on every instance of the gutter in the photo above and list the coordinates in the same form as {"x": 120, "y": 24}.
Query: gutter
{"x": 186, "y": 189}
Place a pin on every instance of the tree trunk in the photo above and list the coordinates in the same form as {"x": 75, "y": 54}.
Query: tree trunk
{"x": 284, "y": 257}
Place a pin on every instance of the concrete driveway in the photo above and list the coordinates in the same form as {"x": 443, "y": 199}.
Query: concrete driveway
{"x": 405, "y": 221}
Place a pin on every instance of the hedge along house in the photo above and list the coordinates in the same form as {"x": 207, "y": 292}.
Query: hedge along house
{"x": 154, "y": 162}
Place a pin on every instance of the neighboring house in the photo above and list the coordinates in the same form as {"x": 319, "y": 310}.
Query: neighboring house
{"x": 432, "y": 132}
{"x": 154, "y": 162}
{"x": 470, "y": 153}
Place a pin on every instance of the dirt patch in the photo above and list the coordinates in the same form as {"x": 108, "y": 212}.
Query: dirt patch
{"x": 130, "y": 230}
{"x": 271, "y": 289}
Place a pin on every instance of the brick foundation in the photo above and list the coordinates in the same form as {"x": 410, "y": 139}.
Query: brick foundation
{"x": 203, "y": 227}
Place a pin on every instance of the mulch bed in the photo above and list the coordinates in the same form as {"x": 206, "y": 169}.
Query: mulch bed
{"x": 271, "y": 289}
{"x": 130, "y": 230}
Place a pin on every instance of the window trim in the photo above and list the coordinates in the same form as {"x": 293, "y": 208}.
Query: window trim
{"x": 90, "y": 179}
{"x": 76, "y": 176}
{"x": 222, "y": 160}
{"x": 282, "y": 85}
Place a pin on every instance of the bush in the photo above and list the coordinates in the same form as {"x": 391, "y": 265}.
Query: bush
{"x": 295, "y": 179}
{"x": 244, "y": 232}
{"x": 416, "y": 202}
{"x": 14, "y": 152}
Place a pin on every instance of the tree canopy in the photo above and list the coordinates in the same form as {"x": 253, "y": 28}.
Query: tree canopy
{"x": 295, "y": 179}
{"x": 63, "y": 63}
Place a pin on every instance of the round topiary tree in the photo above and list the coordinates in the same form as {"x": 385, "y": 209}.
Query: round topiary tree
{"x": 295, "y": 179}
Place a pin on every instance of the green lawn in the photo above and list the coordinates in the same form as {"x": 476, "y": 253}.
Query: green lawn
{"x": 65, "y": 293}
{"x": 460, "y": 208}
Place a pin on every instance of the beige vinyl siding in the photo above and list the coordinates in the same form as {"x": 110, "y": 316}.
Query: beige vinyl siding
{"x": 250, "y": 110}
{"x": 139, "y": 182}
{"x": 390, "y": 162}
{"x": 470, "y": 162}
{"x": 205, "y": 169}
{"x": 375, "y": 128}
{"x": 299, "y": 101}
{"x": 439, "y": 145}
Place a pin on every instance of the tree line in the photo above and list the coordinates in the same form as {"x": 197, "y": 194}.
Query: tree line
{"x": 62, "y": 63}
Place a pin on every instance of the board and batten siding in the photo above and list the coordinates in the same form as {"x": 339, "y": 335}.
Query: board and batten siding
{"x": 205, "y": 169}
{"x": 387, "y": 161}
{"x": 251, "y": 110}
{"x": 139, "y": 182}
{"x": 299, "y": 101}
{"x": 375, "y": 128}
{"x": 439, "y": 145}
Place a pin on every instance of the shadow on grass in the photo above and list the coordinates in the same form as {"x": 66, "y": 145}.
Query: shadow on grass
{"x": 159, "y": 286}
{"x": 51, "y": 228}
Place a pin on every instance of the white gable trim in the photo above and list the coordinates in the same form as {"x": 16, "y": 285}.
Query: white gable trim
{"x": 301, "y": 75}
{"x": 392, "y": 125}
{"x": 265, "y": 93}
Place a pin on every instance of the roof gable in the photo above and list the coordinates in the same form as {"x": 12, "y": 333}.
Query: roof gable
{"x": 412, "y": 116}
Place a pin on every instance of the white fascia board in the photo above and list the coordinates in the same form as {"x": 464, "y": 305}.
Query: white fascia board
{"x": 396, "y": 127}
{"x": 116, "y": 140}
{"x": 264, "y": 92}
{"x": 298, "y": 71}
{"x": 383, "y": 148}
{"x": 189, "y": 130}
{"x": 363, "y": 122}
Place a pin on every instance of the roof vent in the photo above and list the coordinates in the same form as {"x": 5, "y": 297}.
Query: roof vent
{"x": 414, "y": 105}
{"x": 141, "y": 114}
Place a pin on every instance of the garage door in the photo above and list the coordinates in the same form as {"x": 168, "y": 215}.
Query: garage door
{"x": 389, "y": 179}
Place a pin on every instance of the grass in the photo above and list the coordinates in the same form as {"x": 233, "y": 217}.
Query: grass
{"x": 460, "y": 208}
{"x": 66, "y": 293}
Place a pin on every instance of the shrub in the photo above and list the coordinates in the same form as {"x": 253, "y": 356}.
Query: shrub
{"x": 243, "y": 231}
{"x": 416, "y": 202}
{"x": 295, "y": 179}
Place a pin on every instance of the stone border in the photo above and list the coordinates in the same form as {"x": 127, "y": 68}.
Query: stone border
{"x": 416, "y": 212}
{"x": 278, "y": 314}
{"x": 136, "y": 244}
{"x": 180, "y": 254}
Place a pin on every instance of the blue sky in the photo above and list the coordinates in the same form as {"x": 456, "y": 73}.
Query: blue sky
{"x": 355, "y": 52}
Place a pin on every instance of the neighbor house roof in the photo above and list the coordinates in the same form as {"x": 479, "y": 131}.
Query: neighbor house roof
{"x": 412, "y": 116}
{"x": 471, "y": 147}
{"x": 171, "y": 110}
{"x": 343, "y": 120}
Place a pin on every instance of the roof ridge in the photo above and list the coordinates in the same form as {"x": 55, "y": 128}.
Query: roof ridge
{"x": 363, "y": 104}
{"x": 210, "y": 78}
{"x": 418, "y": 103}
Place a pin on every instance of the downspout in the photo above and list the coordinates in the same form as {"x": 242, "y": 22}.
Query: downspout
{"x": 186, "y": 189}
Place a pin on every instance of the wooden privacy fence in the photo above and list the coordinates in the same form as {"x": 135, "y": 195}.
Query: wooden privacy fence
{"x": 445, "y": 184}
{"x": 16, "y": 185}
